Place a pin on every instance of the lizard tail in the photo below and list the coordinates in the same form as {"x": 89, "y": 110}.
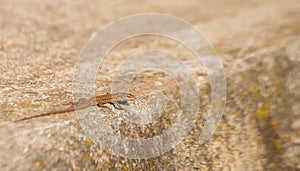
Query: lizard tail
{"x": 47, "y": 114}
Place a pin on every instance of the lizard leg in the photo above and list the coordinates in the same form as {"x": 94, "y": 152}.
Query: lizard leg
{"x": 117, "y": 105}
{"x": 102, "y": 106}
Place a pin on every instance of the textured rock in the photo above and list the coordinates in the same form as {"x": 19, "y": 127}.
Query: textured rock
{"x": 258, "y": 43}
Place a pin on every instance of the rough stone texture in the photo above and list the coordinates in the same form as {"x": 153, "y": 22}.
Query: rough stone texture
{"x": 258, "y": 43}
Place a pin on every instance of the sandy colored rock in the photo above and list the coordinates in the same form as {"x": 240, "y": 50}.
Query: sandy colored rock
{"x": 258, "y": 43}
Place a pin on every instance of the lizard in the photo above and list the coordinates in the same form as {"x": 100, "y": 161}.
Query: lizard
{"x": 99, "y": 100}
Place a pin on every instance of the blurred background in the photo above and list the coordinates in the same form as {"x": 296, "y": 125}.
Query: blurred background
{"x": 257, "y": 41}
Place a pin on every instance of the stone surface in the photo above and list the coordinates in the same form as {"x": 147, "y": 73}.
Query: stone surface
{"x": 258, "y": 43}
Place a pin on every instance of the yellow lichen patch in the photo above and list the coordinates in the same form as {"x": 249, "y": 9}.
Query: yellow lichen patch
{"x": 28, "y": 104}
{"x": 255, "y": 85}
{"x": 221, "y": 50}
{"x": 219, "y": 104}
{"x": 279, "y": 90}
{"x": 88, "y": 142}
{"x": 86, "y": 155}
{"x": 152, "y": 168}
{"x": 263, "y": 111}
{"x": 212, "y": 164}
{"x": 234, "y": 164}
{"x": 104, "y": 163}
{"x": 226, "y": 127}
{"x": 40, "y": 164}
{"x": 107, "y": 154}
{"x": 277, "y": 144}
{"x": 275, "y": 166}
{"x": 125, "y": 168}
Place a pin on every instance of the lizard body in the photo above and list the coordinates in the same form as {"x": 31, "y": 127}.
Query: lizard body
{"x": 99, "y": 100}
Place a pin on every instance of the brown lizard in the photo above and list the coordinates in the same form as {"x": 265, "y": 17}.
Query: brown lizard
{"x": 99, "y": 100}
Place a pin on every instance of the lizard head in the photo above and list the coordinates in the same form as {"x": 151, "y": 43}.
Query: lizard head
{"x": 130, "y": 96}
